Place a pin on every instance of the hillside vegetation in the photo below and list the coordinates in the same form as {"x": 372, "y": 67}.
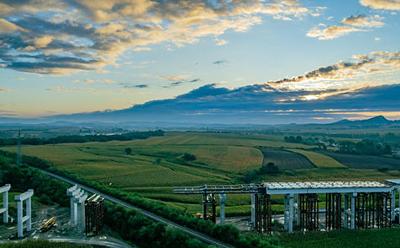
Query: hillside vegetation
{"x": 152, "y": 166}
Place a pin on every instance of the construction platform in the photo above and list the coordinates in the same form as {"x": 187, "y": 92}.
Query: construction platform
{"x": 348, "y": 204}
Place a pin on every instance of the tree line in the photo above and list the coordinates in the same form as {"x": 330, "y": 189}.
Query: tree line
{"x": 131, "y": 225}
{"x": 226, "y": 233}
{"x": 81, "y": 138}
{"x": 365, "y": 147}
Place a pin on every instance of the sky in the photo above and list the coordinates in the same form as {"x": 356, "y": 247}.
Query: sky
{"x": 72, "y": 56}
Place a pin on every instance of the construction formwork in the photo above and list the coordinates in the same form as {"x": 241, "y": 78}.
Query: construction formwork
{"x": 94, "y": 215}
{"x": 333, "y": 211}
{"x": 352, "y": 205}
{"x": 309, "y": 212}
{"x": 263, "y": 213}
{"x": 210, "y": 207}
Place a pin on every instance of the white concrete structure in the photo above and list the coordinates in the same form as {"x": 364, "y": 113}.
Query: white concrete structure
{"x": 353, "y": 211}
{"x": 77, "y": 206}
{"x": 291, "y": 212}
{"x": 301, "y": 202}
{"x": 80, "y": 214}
{"x": 289, "y": 189}
{"x": 253, "y": 210}
{"x": 282, "y": 188}
{"x": 21, "y": 219}
{"x": 222, "y": 201}
{"x": 4, "y": 210}
{"x": 70, "y": 192}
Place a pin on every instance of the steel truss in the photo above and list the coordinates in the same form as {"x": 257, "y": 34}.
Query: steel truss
{"x": 94, "y": 215}
{"x": 263, "y": 222}
{"x": 373, "y": 210}
{"x": 210, "y": 207}
{"x": 309, "y": 212}
{"x": 333, "y": 214}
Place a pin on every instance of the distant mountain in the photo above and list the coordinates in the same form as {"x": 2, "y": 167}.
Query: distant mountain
{"x": 374, "y": 121}
{"x": 258, "y": 104}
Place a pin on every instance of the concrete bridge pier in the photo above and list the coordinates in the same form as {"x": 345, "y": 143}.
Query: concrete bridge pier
{"x": 392, "y": 205}
{"x": 290, "y": 212}
{"x": 21, "y": 219}
{"x": 253, "y": 210}
{"x": 353, "y": 211}
{"x": 4, "y": 210}
{"x": 222, "y": 201}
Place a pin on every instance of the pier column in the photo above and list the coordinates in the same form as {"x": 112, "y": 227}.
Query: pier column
{"x": 291, "y": 213}
{"x": 297, "y": 209}
{"x": 398, "y": 190}
{"x": 392, "y": 205}
{"x": 286, "y": 213}
{"x": 253, "y": 210}
{"x": 346, "y": 211}
{"x": 21, "y": 219}
{"x": 72, "y": 209}
{"x": 20, "y": 224}
{"x": 4, "y": 210}
{"x": 222, "y": 200}
{"x": 29, "y": 214}
{"x": 353, "y": 211}
{"x": 75, "y": 220}
{"x": 72, "y": 192}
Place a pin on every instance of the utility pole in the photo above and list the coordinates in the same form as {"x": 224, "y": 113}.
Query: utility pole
{"x": 19, "y": 157}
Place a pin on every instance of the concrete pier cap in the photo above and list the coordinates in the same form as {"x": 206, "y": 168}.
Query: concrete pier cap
{"x": 21, "y": 219}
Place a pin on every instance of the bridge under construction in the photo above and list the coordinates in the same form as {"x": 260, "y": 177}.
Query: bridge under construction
{"x": 352, "y": 204}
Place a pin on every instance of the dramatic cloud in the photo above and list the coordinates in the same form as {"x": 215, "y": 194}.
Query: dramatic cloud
{"x": 7, "y": 27}
{"x": 220, "y": 62}
{"x": 374, "y": 69}
{"x": 331, "y": 32}
{"x": 368, "y": 84}
{"x": 364, "y": 21}
{"x": 134, "y": 86}
{"x": 68, "y": 35}
{"x": 360, "y": 23}
{"x": 259, "y": 104}
{"x": 382, "y": 4}
{"x": 43, "y": 41}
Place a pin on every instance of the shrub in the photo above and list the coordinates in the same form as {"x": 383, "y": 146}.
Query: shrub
{"x": 128, "y": 151}
{"x": 188, "y": 157}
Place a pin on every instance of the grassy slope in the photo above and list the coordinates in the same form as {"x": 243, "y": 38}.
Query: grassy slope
{"x": 383, "y": 238}
{"x": 318, "y": 159}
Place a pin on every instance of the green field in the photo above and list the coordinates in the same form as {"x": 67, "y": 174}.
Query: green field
{"x": 285, "y": 160}
{"x": 318, "y": 159}
{"x": 366, "y": 162}
{"x": 378, "y": 238}
{"x": 157, "y": 164}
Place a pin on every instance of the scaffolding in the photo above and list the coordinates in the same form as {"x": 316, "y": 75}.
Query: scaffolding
{"x": 94, "y": 215}
{"x": 210, "y": 207}
{"x": 352, "y": 204}
{"x": 263, "y": 213}
{"x": 309, "y": 212}
{"x": 333, "y": 215}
